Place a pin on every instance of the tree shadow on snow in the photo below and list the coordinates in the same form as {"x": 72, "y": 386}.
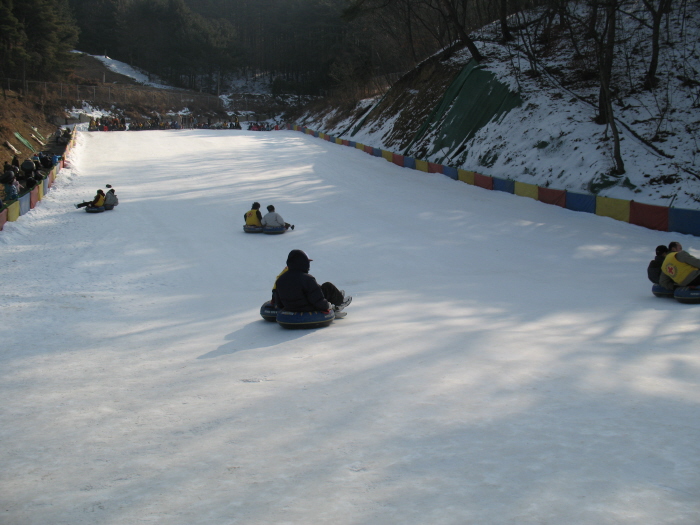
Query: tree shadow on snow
{"x": 255, "y": 336}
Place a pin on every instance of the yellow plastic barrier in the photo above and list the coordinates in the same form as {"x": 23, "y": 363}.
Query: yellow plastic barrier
{"x": 618, "y": 209}
{"x": 526, "y": 190}
{"x": 422, "y": 165}
{"x": 360, "y": 146}
{"x": 466, "y": 176}
{"x": 13, "y": 211}
{"x": 388, "y": 155}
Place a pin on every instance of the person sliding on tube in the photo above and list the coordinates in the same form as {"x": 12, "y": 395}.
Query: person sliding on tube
{"x": 272, "y": 219}
{"x": 298, "y": 291}
{"x": 98, "y": 201}
{"x": 679, "y": 268}
{"x": 253, "y": 217}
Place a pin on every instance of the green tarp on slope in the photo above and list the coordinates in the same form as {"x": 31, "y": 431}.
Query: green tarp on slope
{"x": 474, "y": 98}
{"x": 24, "y": 141}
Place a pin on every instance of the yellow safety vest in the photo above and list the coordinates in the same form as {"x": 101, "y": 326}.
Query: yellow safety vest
{"x": 675, "y": 269}
{"x": 251, "y": 218}
{"x": 100, "y": 201}
{"x": 274, "y": 286}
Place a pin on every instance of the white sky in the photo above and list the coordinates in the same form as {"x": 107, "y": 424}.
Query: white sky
{"x": 503, "y": 361}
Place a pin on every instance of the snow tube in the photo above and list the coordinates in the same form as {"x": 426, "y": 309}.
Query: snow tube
{"x": 687, "y": 294}
{"x": 91, "y": 209}
{"x": 274, "y": 230}
{"x": 269, "y": 312}
{"x": 252, "y": 229}
{"x": 305, "y": 319}
{"x": 660, "y": 291}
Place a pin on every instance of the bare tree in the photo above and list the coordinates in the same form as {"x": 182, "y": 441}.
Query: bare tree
{"x": 657, "y": 11}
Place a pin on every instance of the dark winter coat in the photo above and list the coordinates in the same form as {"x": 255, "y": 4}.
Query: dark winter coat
{"x": 297, "y": 291}
{"x": 654, "y": 269}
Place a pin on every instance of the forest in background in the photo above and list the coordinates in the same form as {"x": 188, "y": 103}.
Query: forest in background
{"x": 314, "y": 47}
{"x": 299, "y": 46}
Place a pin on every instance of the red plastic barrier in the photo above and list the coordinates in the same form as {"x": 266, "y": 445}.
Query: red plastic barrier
{"x": 3, "y": 218}
{"x": 649, "y": 216}
{"x": 550, "y": 196}
{"x": 346, "y": 142}
{"x": 483, "y": 181}
{"x": 369, "y": 149}
{"x": 398, "y": 159}
{"x": 33, "y": 198}
{"x": 434, "y": 168}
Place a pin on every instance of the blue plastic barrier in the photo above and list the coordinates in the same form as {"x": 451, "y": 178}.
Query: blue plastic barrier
{"x": 580, "y": 202}
{"x": 409, "y": 162}
{"x": 25, "y": 203}
{"x": 684, "y": 221}
{"x": 451, "y": 172}
{"x": 505, "y": 185}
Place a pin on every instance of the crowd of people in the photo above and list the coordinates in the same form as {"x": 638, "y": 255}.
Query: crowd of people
{"x": 18, "y": 178}
{"x": 107, "y": 124}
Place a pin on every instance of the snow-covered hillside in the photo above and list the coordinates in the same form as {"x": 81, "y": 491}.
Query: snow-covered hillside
{"x": 551, "y": 140}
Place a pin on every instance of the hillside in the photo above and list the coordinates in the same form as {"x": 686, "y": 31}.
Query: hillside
{"x": 551, "y": 139}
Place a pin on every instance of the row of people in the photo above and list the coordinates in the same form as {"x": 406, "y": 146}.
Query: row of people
{"x": 63, "y": 136}
{"x": 272, "y": 219}
{"x": 107, "y": 124}
{"x": 17, "y": 178}
{"x": 673, "y": 267}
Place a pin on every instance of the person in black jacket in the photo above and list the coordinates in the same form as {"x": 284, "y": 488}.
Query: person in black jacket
{"x": 297, "y": 291}
{"x": 654, "y": 268}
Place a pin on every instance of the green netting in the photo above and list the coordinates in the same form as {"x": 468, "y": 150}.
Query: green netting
{"x": 24, "y": 141}
{"x": 39, "y": 135}
{"x": 474, "y": 98}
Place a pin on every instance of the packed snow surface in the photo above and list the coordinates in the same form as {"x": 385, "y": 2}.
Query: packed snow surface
{"x": 503, "y": 361}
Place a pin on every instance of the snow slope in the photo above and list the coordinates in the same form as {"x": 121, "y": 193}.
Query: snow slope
{"x": 503, "y": 361}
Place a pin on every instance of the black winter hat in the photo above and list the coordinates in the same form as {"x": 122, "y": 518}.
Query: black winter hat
{"x": 297, "y": 256}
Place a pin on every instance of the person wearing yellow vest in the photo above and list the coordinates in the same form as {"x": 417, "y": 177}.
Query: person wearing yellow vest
{"x": 97, "y": 202}
{"x": 679, "y": 268}
{"x": 253, "y": 217}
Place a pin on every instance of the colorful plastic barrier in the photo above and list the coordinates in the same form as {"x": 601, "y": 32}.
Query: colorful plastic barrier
{"x": 646, "y": 215}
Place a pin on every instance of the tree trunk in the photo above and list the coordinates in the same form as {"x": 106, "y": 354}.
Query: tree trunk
{"x": 650, "y": 79}
{"x": 505, "y": 31}
{"x": 453, "y": 18}
{"x": 606, "y": 52}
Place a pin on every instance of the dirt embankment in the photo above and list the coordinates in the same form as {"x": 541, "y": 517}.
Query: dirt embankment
{"x": 21, "y": 116}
